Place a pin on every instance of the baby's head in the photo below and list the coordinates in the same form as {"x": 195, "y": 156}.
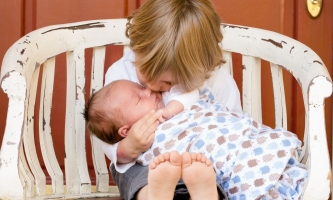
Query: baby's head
{"x": 180, "y": 36}
{"x": 112, "y": 110}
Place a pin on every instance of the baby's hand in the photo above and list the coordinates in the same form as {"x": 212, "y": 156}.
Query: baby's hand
{"x": 165, "y": 114}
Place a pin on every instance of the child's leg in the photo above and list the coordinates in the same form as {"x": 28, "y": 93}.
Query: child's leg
{"x": 142, "y": 193}
{"x": 199, "y": 176}
{"x": 164, "y": 174}
{"x": 130, "y": 182}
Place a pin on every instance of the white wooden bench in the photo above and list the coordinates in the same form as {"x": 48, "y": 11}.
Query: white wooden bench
{"x": 21, "y": 175}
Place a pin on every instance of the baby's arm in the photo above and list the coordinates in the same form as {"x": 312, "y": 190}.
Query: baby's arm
{"x": 172, "y": 108}
{"x": 176, "y": 100}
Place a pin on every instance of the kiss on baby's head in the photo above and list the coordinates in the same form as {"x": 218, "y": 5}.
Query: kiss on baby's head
{"x": 113, "y": 109}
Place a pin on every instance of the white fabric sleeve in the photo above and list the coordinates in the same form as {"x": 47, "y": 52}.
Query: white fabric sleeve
{"x": 122, "y": 69}
{"x": 111, "y": 152}
{"x": 224, "y": 89}
{"x": 177, "y": 93}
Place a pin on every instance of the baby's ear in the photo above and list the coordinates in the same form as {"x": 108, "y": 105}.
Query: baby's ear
{"x": 122, "y": 131}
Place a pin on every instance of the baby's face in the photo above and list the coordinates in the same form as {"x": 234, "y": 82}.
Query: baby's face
{"x": 136, "y": 101}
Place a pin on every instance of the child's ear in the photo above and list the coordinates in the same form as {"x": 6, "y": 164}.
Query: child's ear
{"x": 122, "y": 131}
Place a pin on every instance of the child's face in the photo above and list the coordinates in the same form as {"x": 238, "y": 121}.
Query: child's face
{"x": 162, "y": 84}
{"x": 136, "y": 101}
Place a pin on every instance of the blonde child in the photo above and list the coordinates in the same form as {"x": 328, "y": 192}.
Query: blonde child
{"x": 172, "y": 43}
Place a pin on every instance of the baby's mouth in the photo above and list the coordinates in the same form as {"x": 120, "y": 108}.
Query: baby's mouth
{"x": 158, "y": 97}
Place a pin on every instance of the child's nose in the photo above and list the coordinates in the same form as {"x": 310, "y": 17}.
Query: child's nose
{"x": 154, "y": 87}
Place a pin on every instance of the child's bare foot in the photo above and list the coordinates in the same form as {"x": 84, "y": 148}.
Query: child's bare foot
{"x": 164, "y": 174}
{"x": 199, "y": 176}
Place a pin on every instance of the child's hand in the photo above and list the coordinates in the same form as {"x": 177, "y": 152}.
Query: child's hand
{"x": 142, "y": 133}
{"x": 139, "y": 138}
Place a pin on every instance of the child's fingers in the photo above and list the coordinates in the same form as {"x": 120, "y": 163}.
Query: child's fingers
{"x": 147, "y": 136}
{"x": 150, "y": 130}
{"x": 151, "y": 135}
{"x": 146, "y": 126}
{"x": 138, "y": 124}
{"x": 148, "y": 120}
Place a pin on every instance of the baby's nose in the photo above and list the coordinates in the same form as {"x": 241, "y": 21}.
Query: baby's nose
{"x": 146, "y": 92}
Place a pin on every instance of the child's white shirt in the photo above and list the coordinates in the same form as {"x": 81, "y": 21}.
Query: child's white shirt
{"x": 177, "y": 93}
{"x": 221, "y": 84}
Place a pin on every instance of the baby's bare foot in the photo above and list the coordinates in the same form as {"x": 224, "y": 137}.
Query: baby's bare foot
{"x": 199, "y": 176}
{"x": 164, "y": 174}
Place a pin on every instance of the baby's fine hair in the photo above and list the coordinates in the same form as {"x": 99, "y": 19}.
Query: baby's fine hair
{"x": 183, "y": 36}
{"x": 100, "y": 121}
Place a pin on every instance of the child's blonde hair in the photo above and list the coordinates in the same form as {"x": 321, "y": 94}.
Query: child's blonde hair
{"x": 182, "y": 36}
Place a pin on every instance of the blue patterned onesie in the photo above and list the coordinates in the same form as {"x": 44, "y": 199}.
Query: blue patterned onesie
{"x": 251, "y": 160}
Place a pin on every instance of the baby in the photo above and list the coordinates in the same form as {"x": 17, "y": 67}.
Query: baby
{"x": 249, "y": 159}
{"x": 112, "y": 110}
